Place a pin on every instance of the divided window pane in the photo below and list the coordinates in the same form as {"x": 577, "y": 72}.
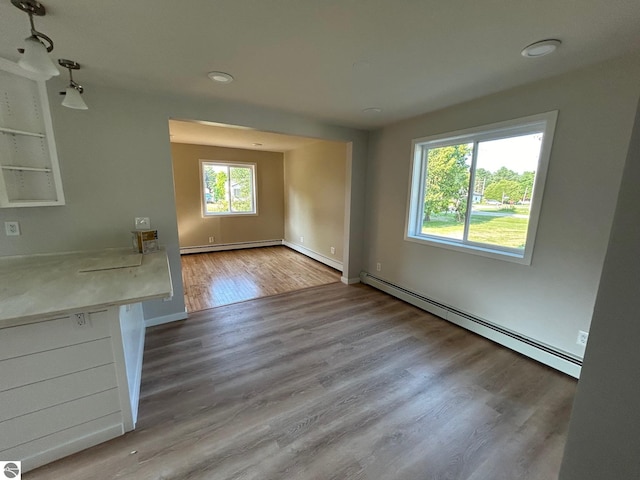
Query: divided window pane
{"x": 481, "y": 189}
{"x": 228, "y": 188}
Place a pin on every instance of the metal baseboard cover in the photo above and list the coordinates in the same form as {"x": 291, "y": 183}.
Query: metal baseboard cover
{"x": 558, "y": 359}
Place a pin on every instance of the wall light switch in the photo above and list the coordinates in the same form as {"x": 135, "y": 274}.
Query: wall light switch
{"x": 143, "y": 223}
{"x": 12, "y": 228}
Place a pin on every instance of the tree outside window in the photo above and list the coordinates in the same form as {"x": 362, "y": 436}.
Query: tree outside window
{"x": 479, "y": 189}
{"x": 228, "y": 188}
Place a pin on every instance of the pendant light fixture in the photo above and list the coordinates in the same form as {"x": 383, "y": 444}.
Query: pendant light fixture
{"x": 72, "y": 95}
{"x": 35, "y": 56}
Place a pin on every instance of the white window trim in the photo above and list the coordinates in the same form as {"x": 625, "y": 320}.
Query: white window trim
{"x": 546, "y": 121}
{"x": 203, "y": 202}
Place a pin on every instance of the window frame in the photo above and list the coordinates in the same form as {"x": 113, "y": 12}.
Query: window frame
{"x": 203, "y": 200}
{"x": 543, "y": 122}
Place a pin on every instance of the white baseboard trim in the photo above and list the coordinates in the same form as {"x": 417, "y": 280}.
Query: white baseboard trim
{"x": 74, "y": 446}
{"x": 229, "y": 246}
{"x": 552, "y": 357}
{"x": 265, "y": 243}
{"x": 174, "y": 317}
{"x": 349, "y": 281}
{"x": 316, "y": 256}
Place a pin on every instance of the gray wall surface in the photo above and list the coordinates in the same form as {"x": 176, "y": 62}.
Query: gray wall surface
{"x": 115, "y": 160}
{"x": 553, "y": 298}
{"x": 604, "y": 432}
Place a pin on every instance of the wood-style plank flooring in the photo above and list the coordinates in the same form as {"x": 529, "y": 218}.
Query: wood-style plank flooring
{"x": 221, "y": 278}
{"x": 333, "y": 382}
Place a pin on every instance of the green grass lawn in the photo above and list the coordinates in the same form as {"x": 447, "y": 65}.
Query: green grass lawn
{"x": 520, "y": 209}
{"x": 504, "y": 231}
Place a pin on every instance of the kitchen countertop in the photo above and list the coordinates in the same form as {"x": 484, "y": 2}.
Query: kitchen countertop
{"x": 37, "y": 286}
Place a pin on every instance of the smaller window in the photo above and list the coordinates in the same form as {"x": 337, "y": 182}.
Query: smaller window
{"x": 480, "y": 190}
{"x": 228, "y": 188}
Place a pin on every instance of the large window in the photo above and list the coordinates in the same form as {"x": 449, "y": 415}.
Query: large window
{"x": 480, "y": 190}
{"x": 228, "y": 188}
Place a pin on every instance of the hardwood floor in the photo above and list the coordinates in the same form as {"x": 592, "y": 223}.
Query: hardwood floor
{"x": 333, "y": 382}
{"x": 221, "y": 278}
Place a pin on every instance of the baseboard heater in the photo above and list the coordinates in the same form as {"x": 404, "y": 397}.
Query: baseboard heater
{"x": 552, "y": 357}
{"x": 217, "y": 247}
{"x": 265, "y": 243}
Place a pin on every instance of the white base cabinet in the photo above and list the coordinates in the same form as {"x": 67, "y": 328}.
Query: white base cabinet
{"x": 69, "y": 382}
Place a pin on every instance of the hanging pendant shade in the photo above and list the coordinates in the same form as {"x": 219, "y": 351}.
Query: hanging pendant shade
{"x": 36, "y": 59}
{"x": 73, "y": 93}
{"x": 73, "y": 99}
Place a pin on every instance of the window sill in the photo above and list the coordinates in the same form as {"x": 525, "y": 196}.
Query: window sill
{"x": 522, "y": 259}
{"x": 232, "y": 214}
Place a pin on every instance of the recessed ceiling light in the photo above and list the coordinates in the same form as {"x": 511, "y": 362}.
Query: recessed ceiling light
{"x": 257, "y": 144}
{"x": 372, "y": 110}
{"x": 541, "y": 48}
{"x": 220, "y": 77}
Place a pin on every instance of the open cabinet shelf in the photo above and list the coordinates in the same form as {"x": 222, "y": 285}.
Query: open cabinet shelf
{"x": 29, "y": 170}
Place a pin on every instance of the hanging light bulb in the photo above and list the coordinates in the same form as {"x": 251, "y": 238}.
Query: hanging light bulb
{"x": 35, "y": 53}
{"x": 72, "y": 94}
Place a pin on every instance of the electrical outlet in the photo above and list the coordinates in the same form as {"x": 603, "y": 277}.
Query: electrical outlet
{"x": 81, "y": 320}
{"x": 142, "y": 223}
{"x": 333, "y": 250}
{"x": 212, "y": 239}
{"x": 301, "y": 239}
{"x": 12, "y": 228}
{"x": 582, "y": 338}
{"x": 378, "y": 266}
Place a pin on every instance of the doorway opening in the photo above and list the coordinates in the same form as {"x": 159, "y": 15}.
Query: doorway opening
{"x": 296, "y": 226}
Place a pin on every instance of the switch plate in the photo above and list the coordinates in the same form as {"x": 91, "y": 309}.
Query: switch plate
{"x": 12, "y": 229}
{"x": 142, "y": 223}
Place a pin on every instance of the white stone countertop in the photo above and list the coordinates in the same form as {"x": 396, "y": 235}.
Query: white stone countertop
{"x": 40, "y": 286}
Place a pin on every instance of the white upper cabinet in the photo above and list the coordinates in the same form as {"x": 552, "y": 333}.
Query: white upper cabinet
{"x": 30, "y": 175}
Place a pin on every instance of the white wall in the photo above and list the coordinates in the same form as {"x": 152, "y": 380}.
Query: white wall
{"x": 553, "y": 298}
{"x": 604, "y": 432}
{"x": 116, "y": 164}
